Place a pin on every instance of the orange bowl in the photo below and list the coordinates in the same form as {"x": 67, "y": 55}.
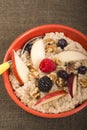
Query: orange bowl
{"x": 20, "y": 41}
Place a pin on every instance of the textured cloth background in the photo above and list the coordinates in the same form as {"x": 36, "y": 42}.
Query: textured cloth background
{"x": 17, "y": 16}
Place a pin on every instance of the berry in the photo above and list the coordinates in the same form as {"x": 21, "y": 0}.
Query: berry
{"x": 28, "y": 47}
{"x": 47, "y": 65}
{"x": 62, "y": 43}
{"x": 63, "y": 74}
{"x": 82, "y": 69}
{"x": 45, "y": 84}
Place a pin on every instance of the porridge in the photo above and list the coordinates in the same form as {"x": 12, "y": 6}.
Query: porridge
{"x": 52, "y": 77}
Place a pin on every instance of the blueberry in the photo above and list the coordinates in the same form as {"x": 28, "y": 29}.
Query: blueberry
{"x": 82, "y": 69}
{"x": 63, "y": 74}
{"x": 62, "y": 43}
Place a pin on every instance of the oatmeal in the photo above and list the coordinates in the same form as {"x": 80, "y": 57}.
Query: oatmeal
{"x": 53, "y": 76}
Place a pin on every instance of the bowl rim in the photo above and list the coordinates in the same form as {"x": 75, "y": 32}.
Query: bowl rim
{"x": 7, "y": 82}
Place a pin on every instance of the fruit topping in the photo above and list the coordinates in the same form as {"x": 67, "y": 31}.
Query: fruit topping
{"x": 20, "y": 70}
{"x": 50, "y": 97}
{"x": 62, "y": 43}
{"x": 72, "y": 84}
{"x": 45, "y": 84}
{"x": 63, "y": 74}
{"x": 82, "y": 69}
{"x": 37, "y": 53}
{"x": 69, "y": 56}
{"x": 47, "y": 65}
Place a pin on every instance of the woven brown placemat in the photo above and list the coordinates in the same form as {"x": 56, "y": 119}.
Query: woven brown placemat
{"x": 17, "y": 16}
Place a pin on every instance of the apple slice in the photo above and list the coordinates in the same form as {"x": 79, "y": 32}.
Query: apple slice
{"x": 50, "y": 97}
{"x": 67, "y": 56}
{"x": 20, "y": 70}
{"x": 37, "y": 52}
{"x": 72, "y": 85}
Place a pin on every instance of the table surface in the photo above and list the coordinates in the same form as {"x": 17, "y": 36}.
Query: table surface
{"x": 17, "y": 16}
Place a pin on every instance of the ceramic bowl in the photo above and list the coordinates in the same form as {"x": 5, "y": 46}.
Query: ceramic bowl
{"x": 21, "y": 40}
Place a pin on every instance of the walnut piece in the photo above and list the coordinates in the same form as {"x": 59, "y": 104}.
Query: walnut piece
{"x": 35, "y": 74}
{"x": 35, "y": 93}
{"x": 50, "y": 48}
{"x": 52, "y": 76}
{"x": 60, "y": 82}
{"x": 57, "y": 61}
{"x": 70, "y": 67}
{"x": 83, "y": 82}
{"x": 49, "y": 41}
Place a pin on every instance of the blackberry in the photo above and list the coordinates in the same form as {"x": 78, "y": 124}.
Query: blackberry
{"x": 62, "y": 43}
{"x": 45, "y": 84}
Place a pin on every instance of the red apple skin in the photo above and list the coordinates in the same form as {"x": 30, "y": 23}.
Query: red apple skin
{"x": 70, "y": 84}
{"x": 51, "y": 95}
{"x": 15, "y": 69}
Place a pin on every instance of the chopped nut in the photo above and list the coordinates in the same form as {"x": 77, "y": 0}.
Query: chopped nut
{"x": 32, "y": 69}
{"x": 50, "y": 48}
{"x": 83, "y": 82}
{"x": 52, "y": 76}
{"x": 70, "y": 67}
{"x": 58, "y": 62}
{"x": 30, "y": 76}
{"x": 49, "y": 40}
{"x": 28, "y": 64}
{"x": 60, "y": 82}
{"x": 35, "y": 74}
{"x": 35, "y": 93}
